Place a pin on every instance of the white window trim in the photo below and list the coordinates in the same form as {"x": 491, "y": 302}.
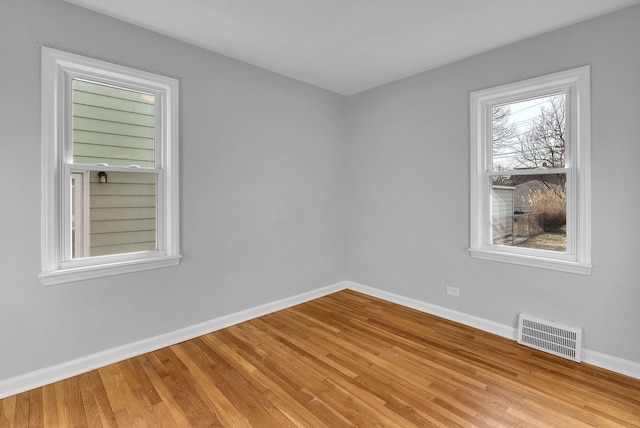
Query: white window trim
{"x": 577, "y": 259}
{"x": 57, "y": 67}
{"x": 81, "y": 202}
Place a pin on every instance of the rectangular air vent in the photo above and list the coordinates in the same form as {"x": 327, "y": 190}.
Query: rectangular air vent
{"x": 550, "y": 337}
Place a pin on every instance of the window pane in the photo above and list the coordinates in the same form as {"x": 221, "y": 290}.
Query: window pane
{"x": 529, "y": 134}
{"x": 122, "y": 214}
{"x": 529, "y": 211}
{"x": 112, "y": 125}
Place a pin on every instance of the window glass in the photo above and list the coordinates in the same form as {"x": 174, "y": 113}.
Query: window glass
{"x": 121, "y": 214}
{"x": 529, "y": 211}
{"x": 112, "y": 126}
{"x": 529, "y": 134}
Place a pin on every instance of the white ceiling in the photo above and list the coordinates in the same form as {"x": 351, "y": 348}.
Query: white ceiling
{"x": 348, "y": 46}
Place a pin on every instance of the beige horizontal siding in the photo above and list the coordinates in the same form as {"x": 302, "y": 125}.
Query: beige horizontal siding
{"x": 121, "y": 249}
{"x": 111, "y": 115}
{"x": 105, "y": 239}
{"x": 133, "y": 177}
{"x": 117, "y": 127}
{"x": 125, "y": 129}
{"x": 117, "y": 93}
{"x": 122, "y": 189}
{"x": 90, "y": 137}
{"x": 112, "y": 125}
{"x": 123, "y": 225}
{"x": 110, "y": 154}
{"x": 95, "y": 99}
{"x": 100, "y": 214}
{"x": 111, "y": 161}
{"x": 127, "y": 201}
{"x": 123, "y": 213}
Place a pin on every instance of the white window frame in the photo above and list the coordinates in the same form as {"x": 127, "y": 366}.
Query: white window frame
{"x": 575, "y": 83}
{"x": 81, "y": 211}
{"x": 58, "y": 68}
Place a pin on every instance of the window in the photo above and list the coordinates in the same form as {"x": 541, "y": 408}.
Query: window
{"x": 109, "y": 169}
{"x": 530, "y": 172}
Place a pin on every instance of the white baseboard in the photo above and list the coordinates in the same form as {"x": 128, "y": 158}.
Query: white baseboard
{"x": 609, "y": 362}
{"x": 45, "y": 376}
{"x": 605, "y": 361}
{"x": 442, "y": 312}
{"x": 81, "y": 365}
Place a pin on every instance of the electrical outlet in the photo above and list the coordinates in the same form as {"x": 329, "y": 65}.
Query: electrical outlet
{"x": 453, "y": 291}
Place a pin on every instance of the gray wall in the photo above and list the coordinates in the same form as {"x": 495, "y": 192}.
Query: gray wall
{"x": 409, "y": 152}
{"x": 262, "y": 190}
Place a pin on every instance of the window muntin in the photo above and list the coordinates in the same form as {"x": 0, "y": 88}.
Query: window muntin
{"x": 530, "y": 198}
{"x": 110, "y": 169}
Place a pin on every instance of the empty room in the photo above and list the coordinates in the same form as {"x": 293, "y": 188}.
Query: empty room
{"x": 320, "y": 213}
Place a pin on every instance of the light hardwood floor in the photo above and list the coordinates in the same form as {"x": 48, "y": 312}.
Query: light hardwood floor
{"x": 342, "y": 360}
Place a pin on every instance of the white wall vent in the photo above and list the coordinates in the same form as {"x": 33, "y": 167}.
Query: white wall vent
{"x": 550, "y": 337}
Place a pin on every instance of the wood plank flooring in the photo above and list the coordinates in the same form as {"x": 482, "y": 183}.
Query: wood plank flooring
{"x": 342, "y": 360}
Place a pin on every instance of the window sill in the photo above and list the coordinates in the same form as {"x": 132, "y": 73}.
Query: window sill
{"x": 532, "y": 261}
{"x": 97, "y": 271}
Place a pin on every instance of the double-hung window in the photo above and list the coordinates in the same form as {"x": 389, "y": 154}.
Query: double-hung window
{"x": 109, "y": 169}
{"x": 530, "y": 172}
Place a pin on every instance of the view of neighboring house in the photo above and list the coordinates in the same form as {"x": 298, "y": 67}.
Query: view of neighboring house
{"x": 114, "y": 211}
{"x": 522, "y": 192}
{"x": 502, "y": 209}
{"x": 514, "y": 217}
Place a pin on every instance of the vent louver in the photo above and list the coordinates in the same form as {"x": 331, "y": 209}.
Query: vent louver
{"x": 550, "y": 337}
